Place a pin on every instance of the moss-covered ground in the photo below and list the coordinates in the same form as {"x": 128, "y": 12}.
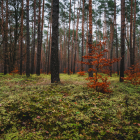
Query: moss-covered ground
{"x": 34, "y": 109}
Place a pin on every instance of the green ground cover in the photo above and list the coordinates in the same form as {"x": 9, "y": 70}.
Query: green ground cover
{"x": 34, "y": 109}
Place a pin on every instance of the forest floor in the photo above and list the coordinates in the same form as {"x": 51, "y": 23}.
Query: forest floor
{"x": 34, "y": 109}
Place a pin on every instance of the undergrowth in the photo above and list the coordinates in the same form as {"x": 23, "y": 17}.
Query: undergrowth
{"x": 32, "y": 108}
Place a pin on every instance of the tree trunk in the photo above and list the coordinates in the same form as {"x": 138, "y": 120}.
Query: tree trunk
{"x": 112, "y": 36}
{"x": 73, "y": 41}
{"x": 134, "y": 33}
{"x": 64, "y": 48}
{"x": 33, "y": 49}
{"x": 6, "y": 40}
{"x": 90, "y": 37}
{"x": 111, "y": 45}
{"x": 87, "y": 41}
{"x": 131, "y": 48}
{"x": 54, "y": 48}
{"x": 105, "y": 32}
{"x": 39, "y": 43}
{"x": 76, "y": 44}
{"x": 82, "y": 48}
{"x": 116, "y": 37}
{"x": 122, "y": 39}
{"x": 42, "y": 33}
{"x": 69, "y": 37}
{"x": 21, "y": 43}
{"x": 28, "y": 41}
{"x": 117, "y": 52}
{"x": 72, "y": 53}
{"x": 60, "y": 55}
{"x": 47, "y": 50}
{"x": 2, "y": 27}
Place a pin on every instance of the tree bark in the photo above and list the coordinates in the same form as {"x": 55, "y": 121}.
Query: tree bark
{"x": 134, "y": 33}
{"x": 33, "y": 49}
{"x": 47, "y": 50}
{"x": 73, "y": 41}
{"x": 39, "y": 43}
{"x": 73, "y": 44}
{"x": 21, "y": 43}
{"x": 2, "y": 28}
{"x": 54, "y": 48}
{"x": 122, "y": 39}
{"x": 6, "y": 40}
{"x": 83, "y": 11}
{"x": 111, "y": 45}
{"x": 131, "y": 47}
{"x": 116, "y": 37}
{"x": 90, "y": 37}
{"x": 76, "y": 44}
{"x": 42, "y": 33}
{"x": 87, "y": 40}
{"x": 69, "y": 37}
{"x": 28, "y": 41}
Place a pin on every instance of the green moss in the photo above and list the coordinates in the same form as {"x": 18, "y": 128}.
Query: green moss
{"x": 33, "y": 108}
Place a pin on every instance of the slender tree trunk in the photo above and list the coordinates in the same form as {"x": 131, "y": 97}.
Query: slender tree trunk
{"x": 64, "y": 48}
{"x": 39, "y": 43}
{"x": 60, "y": 55}
{"x": 111, "y": 45}
{"x": 122, "y": 39}
{"x": 50, "y": 39}
{"x": 90, "y": 37}
{"x": 33, "y": 49}
{"x": 21, "y": 43}
{"x": 112, "y": 36}
{"x": 9, "y": 60}
{"x": 47, "y": 49}
{"x": 54, "y": 48}
{"x": 76, "y": 44}
{"x": 131, "y": 48}
{"x": 2, "y": 28}
{"x": 72, "y": 54}
{"x": 69, "y": 36}
{"x": 73, "y": 41}
{"x": 115, "y": 25}
{"x": 6, "y": 40}
{"x": 87, "y": 48}
{"x": 117, "y": 52}
{"x": 134, "y": 33}
{"x": 42, "y": 33}
{"x": 105, "y": 33}
{"x": 15, "y": 40}
{"x": 28, "y": 41}
{"x": 83, "y": 11}
{"x": 48, "y": 64}
{"x": 2, "y": 22}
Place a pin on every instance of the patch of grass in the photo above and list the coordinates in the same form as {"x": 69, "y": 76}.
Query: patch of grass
{"x": 33, "y": 108}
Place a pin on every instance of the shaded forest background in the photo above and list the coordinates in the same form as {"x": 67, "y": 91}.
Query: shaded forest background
{"x": 26, "y": 34}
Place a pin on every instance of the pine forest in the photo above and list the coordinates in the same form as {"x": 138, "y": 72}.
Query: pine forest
{"x": 69, "y": 69}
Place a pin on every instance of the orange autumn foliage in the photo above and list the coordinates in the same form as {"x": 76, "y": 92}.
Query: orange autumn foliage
{"x": 15, "y": 71}
{"x": 81, "y": 73}
{"x": 133, "y": 74}
{"x": 100, "y": 64}
{"x": 97, "y": 85}
{"x": 65, "y": 70}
